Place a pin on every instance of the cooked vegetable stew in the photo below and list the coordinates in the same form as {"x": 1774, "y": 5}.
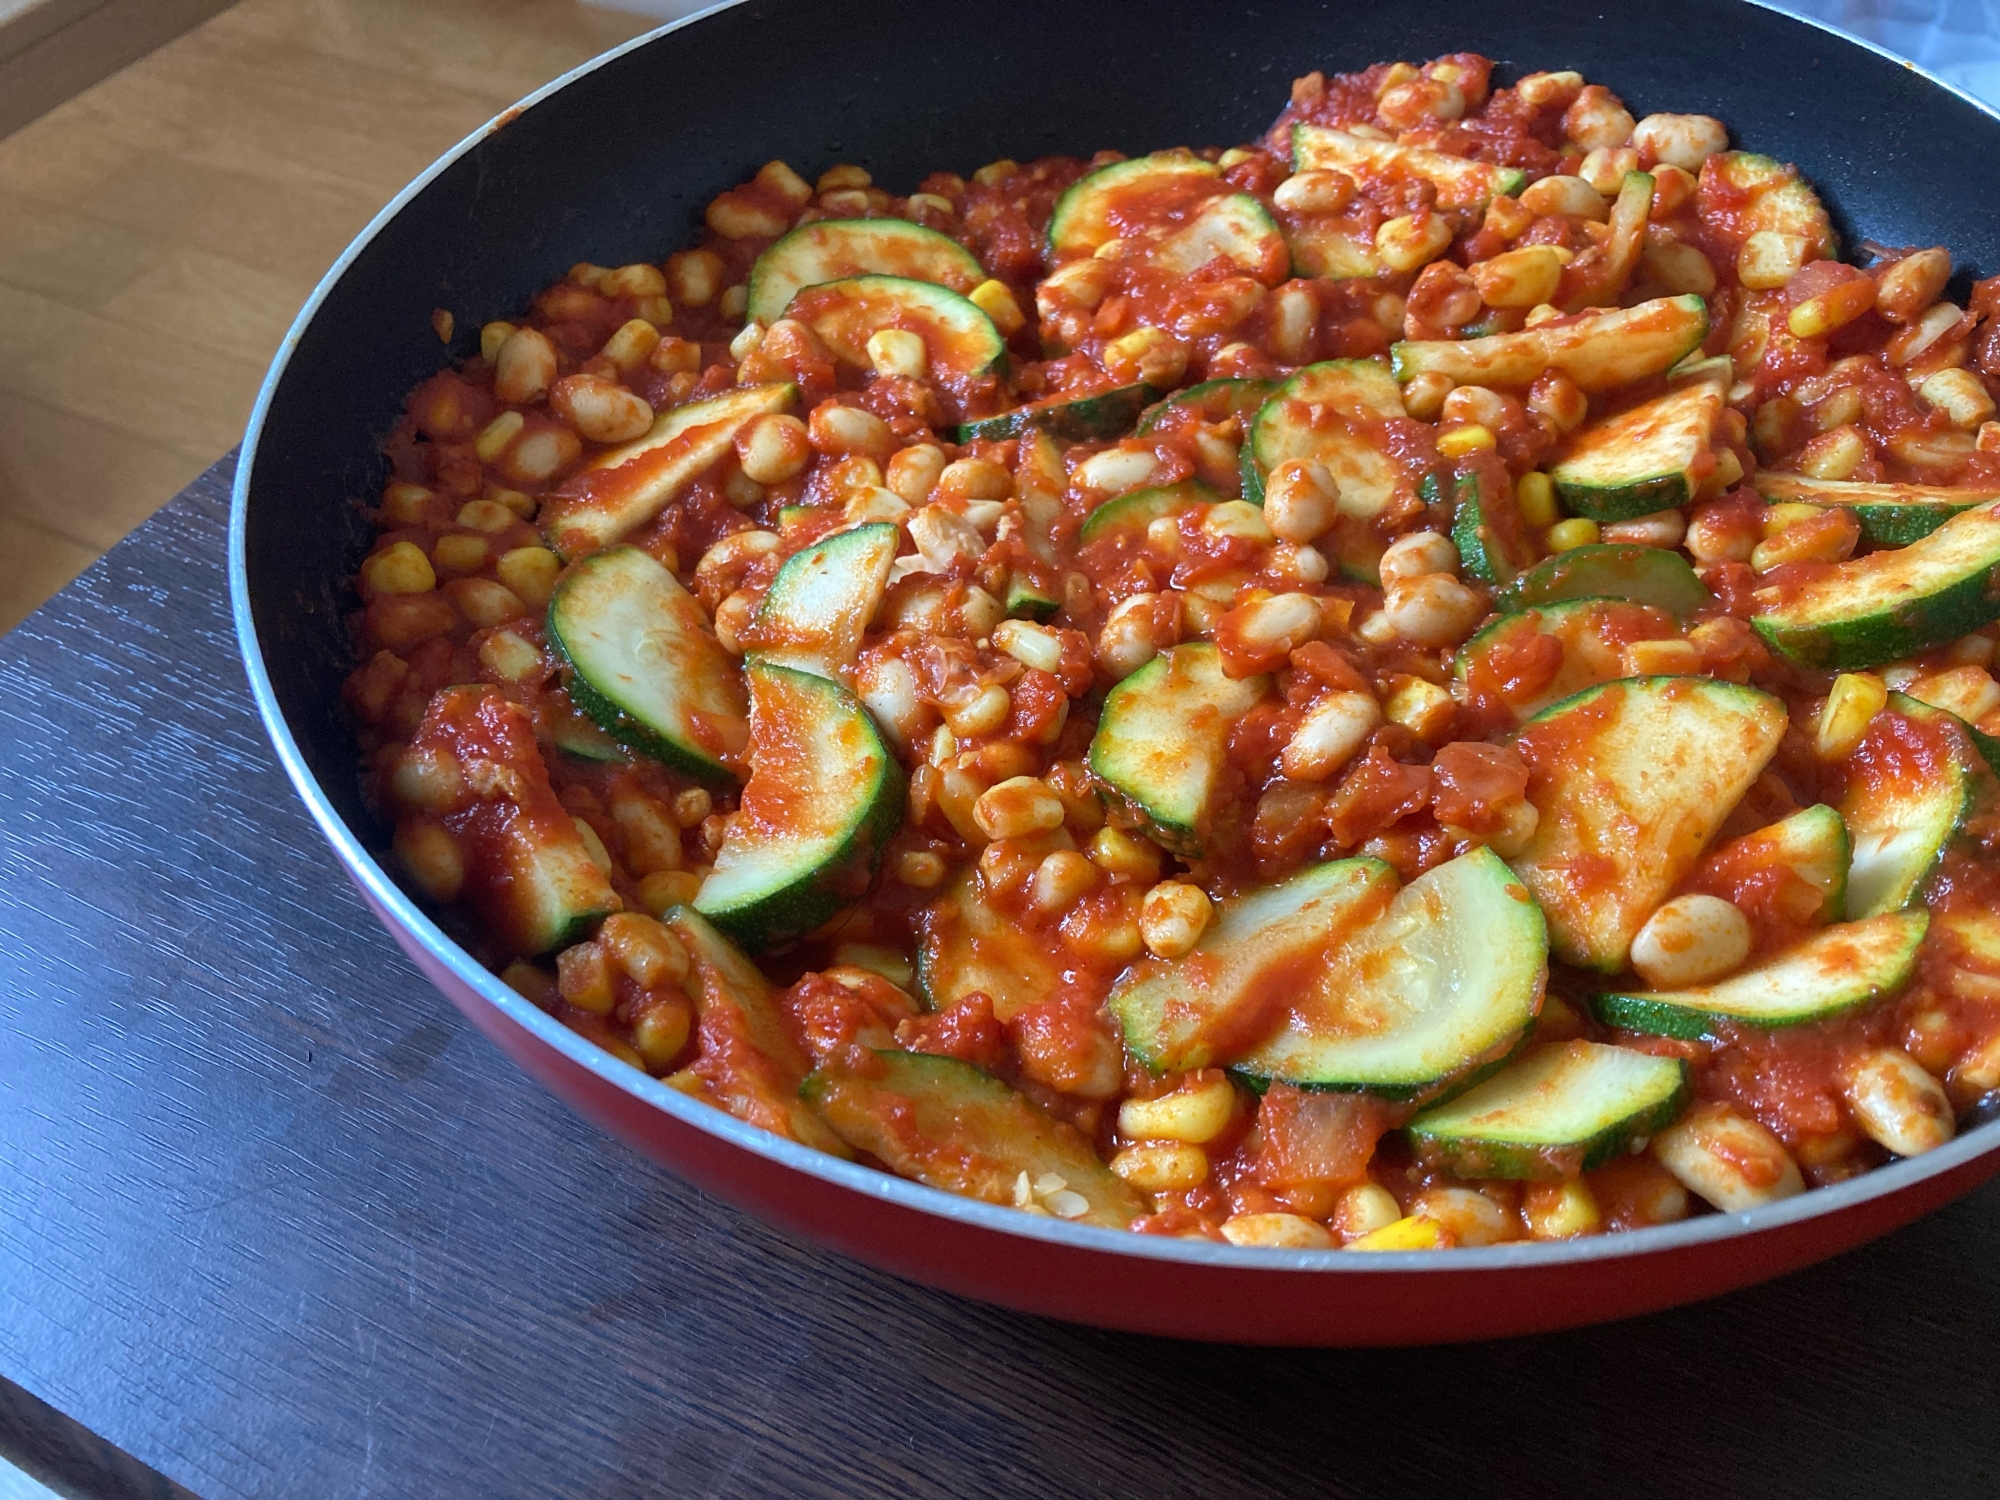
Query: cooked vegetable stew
{"x": 1419, "y": 682}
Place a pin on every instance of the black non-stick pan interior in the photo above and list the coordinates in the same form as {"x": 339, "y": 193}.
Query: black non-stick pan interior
{"x": 617, "y": 165}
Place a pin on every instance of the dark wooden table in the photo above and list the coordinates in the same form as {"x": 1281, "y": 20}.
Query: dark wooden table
{"x": 275, "y": 1222}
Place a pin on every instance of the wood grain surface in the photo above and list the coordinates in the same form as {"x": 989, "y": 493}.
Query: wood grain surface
{"x": 274, "y": 1221}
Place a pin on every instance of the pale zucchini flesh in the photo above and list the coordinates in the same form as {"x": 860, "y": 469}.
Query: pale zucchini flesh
{"x": 1162, "y": 738}
{"x": 1812, "y": 843}
{"x": 1588, "y": 658}
{"x": 624, "y": 488}
{"x": 750, "y": 1065}
{"x": 643, "y": 663}
{"x": 1129, "y": 515}
{"x": 1836, "y": 969}
{"x": 836, "y": 249}
{"x": 825, "y": 795}
{"x": 1096, "y": 208}
{"x": 1333, "y": 413}
{"x": 1900, "y": 826}
{"x": 1600, "y": 351}
{"x": 1891, "y": 515}
{"x": 1884, "y": 606}
{"x": 816, "y": 610}
{"x": 1204, "y": 1008}
{"x": 959, "y": 340}
{"x": 1460, "y": 183}
{"x": 1559, "y": 1111}
{"x": 1444, "y": 983}
{"x": 949, "y": 1125}
{"x": 966, "y": 946}
{"x": 1779, "y": 201}
{"x": 1631, "y": 781}
{"x": 1638, "y": 461}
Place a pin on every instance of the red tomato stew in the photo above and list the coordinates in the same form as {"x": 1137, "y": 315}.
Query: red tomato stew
{"x": 1418, "y": 682}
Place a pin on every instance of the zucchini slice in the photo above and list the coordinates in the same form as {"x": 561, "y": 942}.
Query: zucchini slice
{"x": 1130, "y": 514}
{"x": 1641, "y": 460}
{"x": 537, "y": 889}
{"x": 1460, "y": 183}
{"x": 1811, "y": 845}
{"x": 1205, "y": 1007}
{"x": 824, "y": 796}
{"x": 1631, "y": 780}
{"x": 1600, "y": 275}
{"x": 1559, "y": 1111}
{"x": 1215, "y": 400}
{"x": 966, "y": 946}
{"x": 1611, "y": 570}
{"x": 576, "y": 735}
{"x": 1589, "y": 658}
{"x": 749, "y": 1065}
{"x": 1891, "y": 515}
{"x": 1332, "y": 412}
{"x": 1886, "y": 605}
{"x": 1028, "y": 600}
{"x": 949, "y": 1125}
{"x": 1764, "y": 194}
{"x": 1907, "y": 797}
{"x": 959, "y": 340}
{"x": 643, "y": 662}
{"x": 1600, "y": 351}
{"x": 1332, "y": 252}
{"x": 1836, "y": 969}
{"x": 818, "y": 607}
{"x": 622, "y": 489}
{"x": 1446, "y": 981}
{"x": 1162, "y": 738}
{"x": 1176, "y": 207}
{"x": 1492, "y": 543}
{"x": 1076, "y": 419}
{"x": 836, "y": 249}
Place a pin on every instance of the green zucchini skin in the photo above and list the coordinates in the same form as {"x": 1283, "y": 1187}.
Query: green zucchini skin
{"x": 1558, "y": 1111}
{"x": 835, "y": 249}
{"x": 1232, "y": 396}
{"x": 1081, "y": 419}
{"x": 965, "y": 945}
{"x": 1884, "y": 606}
{"x": 959, "y": 338}
{"x": 1891, "y": 515}
{"x": 624, "y": 488}
{"x": 1430, "y": 996}
{"x": 1610, "y": 570}
{"x": 816, "y": 610}
{"x": 814, "y": 750}
{"x": 1190, "y": 1012}
{"x": 1838, "y": 968}
{"x": 1488, "y": 554}
{"x": 1130, "y": 514}
{"x": 1600, "y": 352}
{"x": 953, "y": 1126}
{"x": 1901, "y": 830}
{"x": 1161, "y": 740}
{"x": 1636, "y": 775}
{"x": 616, "y": 619}
{"x": 1638, "y": 461}
{"x": 1362, "y": 393}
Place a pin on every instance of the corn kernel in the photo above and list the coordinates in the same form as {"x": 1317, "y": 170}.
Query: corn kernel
{"x": 1560, "y": 1210}
{"x": 1535, "y": 494}
{"x": 1116, "y": 852}
{"x": 1196, "y": 1112}
{"x": 1566, "y": 535}
{"x": 1789, "y": 513}
{"x": 1835, "y": 308}
{"x": 1463, "y": 440}
{"x": 530, "y": 572}
{"x": 997, "y": 302}
{"x": 1412, "y": 1232}
{"x": 897, "y": 351}
{"x": 491, "y": 337}
{"x": 1423, "y": 708}
{"x": 1854, "y": 701}
{"x": 663, "y": 890}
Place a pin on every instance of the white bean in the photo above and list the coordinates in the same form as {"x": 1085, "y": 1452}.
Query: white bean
{"x": 1728, "y": 1159}
{"x": 1418, "y": 554}
{"x": 1900, "y": 1106}
{"x": 1328, "y": 737}
{"x": 1684, "y": 140}
{"x": 1691, "y": 940}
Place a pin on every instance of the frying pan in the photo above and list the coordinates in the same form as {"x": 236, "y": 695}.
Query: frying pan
{"x": 615, "y": 162}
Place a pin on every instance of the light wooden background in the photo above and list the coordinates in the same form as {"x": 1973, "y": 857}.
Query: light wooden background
{"x": 159, "y": 231}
